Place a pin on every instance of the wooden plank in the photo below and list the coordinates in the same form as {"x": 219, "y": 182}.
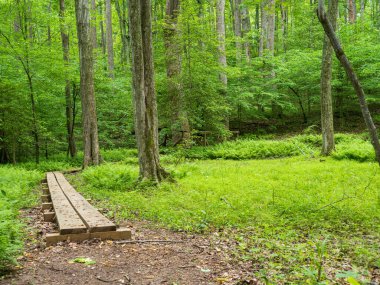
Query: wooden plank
{"x": 94, "y": 220}
{"x": 119, "y": 234}
{"x": 49, "y": 216}
{"x": 68, "y": 220}
{"x": 47, "y": 206}
{"x": 45, "y": 198}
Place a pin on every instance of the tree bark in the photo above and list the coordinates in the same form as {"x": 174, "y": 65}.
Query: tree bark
{"x": 329, "y": 30}
{"x": 246, "y": 29}
{"x": 91, "y": 154}
{"x": 180, "y": 123}
{"x": 121, "y": 9}
{"x": 101, "y": 24}
{"x": 221, "y": 31}
{"x": 146, "y": 120}
{"x": 110, "y": 55}
{"x": 68, "y": 98}
{"x": 351, "y": 4}
{"x": 93, "y": 23}
{"x": 327, "y": 114}
{"x": 237, "y": 28}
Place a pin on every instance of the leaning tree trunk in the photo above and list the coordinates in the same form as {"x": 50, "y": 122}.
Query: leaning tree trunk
{"x": 91, "y": 154}
{"x": 329, "y": 30}
{"x": 179, "y": 120}
{"x": 327, "y": 115}
{"x": 111, "y": 65}
{"x": 146, "y": 120}
{"x": 69, "y": 101}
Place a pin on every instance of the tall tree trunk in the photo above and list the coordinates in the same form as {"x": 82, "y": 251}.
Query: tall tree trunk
{"x": 246, "y": 29}
{"x": 91, "y": 154}
{"x": 146, "y": 120}
{"x": 237, "y": 28}
{"x": 264, "y": 29}
{"x": 93, "y": 23}
{"x": 179, "y": 120}
{"x": 101, "y": 24}
{"x": 284, "y": 23}
{"x": 327, "y": 114}
{"x": 69, "y": 101}
{"x": 121, "y": 9}
{"x": 221, "y": 31}
{"x": 329, "y": 30}
{"x": 351, "y": 4}
{"x": 111, "y": 65}
{"x": 271, "y": 26}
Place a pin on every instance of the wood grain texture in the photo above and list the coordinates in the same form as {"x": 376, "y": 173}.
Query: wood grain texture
{"x": 94, "y": 221}
{"x": 68, "y": 220}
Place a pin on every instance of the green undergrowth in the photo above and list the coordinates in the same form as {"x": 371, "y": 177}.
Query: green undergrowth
{"x": 15, "y": 193}
{"x": 278, "y": 211}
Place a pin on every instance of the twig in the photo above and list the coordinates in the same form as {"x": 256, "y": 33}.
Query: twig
{"x": 148, "y": 241}
{"x": 104, "y": 280}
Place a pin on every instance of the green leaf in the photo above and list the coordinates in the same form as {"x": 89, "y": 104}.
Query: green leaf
{"x": 85, "y": 260}
{"x": 352, "y": 281}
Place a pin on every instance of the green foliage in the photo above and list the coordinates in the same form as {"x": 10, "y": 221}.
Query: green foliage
{"x": 290, "y": 215}
{"x": 110, "y": 177}
{"x": 15, "y": 194}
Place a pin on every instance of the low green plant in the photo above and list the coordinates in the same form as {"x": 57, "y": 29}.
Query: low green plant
{"x": 15, "y": 193}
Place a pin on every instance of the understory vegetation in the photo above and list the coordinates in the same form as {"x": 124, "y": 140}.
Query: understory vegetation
{"x": 15, "y": 193}
{"x": 296, "y": 216}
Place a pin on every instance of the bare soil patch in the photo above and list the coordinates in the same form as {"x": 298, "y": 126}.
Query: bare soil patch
{"x": 184, "y": 259}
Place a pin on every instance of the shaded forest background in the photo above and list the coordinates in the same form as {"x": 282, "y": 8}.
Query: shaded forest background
{"x": 273, "y": 70}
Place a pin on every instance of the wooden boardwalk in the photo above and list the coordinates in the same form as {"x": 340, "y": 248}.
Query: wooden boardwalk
{"x": 77, "y": 219}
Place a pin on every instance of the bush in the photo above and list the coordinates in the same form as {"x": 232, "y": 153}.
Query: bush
{"x": 356, "y": 149}
{"x": 15, "y": 193}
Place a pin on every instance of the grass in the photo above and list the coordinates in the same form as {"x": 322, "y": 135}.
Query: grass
{"x": 15, "y": 194}
{"x": 278, "y": 212}
{"x": 297, "y": 217}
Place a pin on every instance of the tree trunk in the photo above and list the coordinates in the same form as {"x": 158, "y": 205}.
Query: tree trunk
{"x": 91, "y": 154}
{"x": 221, "y": 31}
{"x": 284, "y": 23}
{"x": 351, "y": 4}
{"x": 69, "y": 102}
{"x": 179, "y": 120}
{"x": 101, "y": 24}
{"x": 246, "y": 29}
{"x": 237, "y": 28}
{"x": 111, "y": 65}
{"x": 146, "y": 120}
{"x": 329, "y": 30}
{"x": 93, "y": 23}
{"x": 263, "y": 30}
{"x": 327, "y": 114}
{"x": 120, "y": 9}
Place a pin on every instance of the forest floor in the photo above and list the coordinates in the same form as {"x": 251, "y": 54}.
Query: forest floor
{"x": 177, "y": 258}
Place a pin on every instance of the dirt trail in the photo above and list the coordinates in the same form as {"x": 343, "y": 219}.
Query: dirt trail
{"x": 192, "y": 260}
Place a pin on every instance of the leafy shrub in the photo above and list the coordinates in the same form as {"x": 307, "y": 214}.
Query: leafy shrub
{"x": 15, "y": 193}
{"x": 114, "y": 177}
{"x": 356, "y": 149}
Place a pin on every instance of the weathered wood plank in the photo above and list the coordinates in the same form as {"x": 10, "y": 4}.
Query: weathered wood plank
{"x": 47, "y": 206}
{"x": 49, "y": 216}
{"x": 68, "y": 220}
{"x": 94, "y": 220}
{"x": 119, "y": 234}
{"x": 46, "y": 198}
